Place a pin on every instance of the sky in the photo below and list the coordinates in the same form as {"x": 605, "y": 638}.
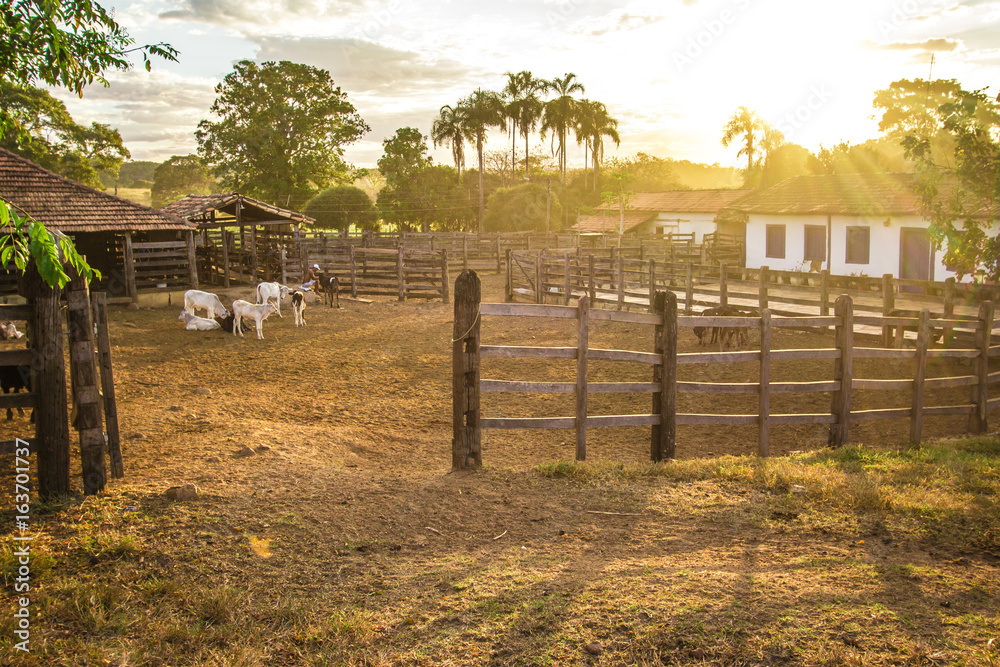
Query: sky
{"x": 671, "y": 71}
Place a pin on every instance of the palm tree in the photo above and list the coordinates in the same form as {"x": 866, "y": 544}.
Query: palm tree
{"x": 449, "y": 128}
{"x": 746, "y": 123}
{"x": 481, "y": 110}
{"x": 599, "y": 124}
{"x": 523, "y": 108}
{"x": 560, "y": 112}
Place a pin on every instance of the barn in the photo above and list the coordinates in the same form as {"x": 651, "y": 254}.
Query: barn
{"x": 662, "y": 213}
{"x": 851, "y": 224}
{"x": 133, "y": 246}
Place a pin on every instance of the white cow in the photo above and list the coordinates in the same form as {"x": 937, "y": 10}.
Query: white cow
{"x": 194, "y": 299}
{"x": 298, "y": 307}
{"x": 258, "y": 313}
{"x": 268, "y": 291}
{"x": 195, "y": 323}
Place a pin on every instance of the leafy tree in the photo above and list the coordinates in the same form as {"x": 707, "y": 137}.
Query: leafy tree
{"x": 523, "y": 108}
{"x": 559, "y": 114}
{"x": 341, "y": 208}
{"x": 785, "y": 162}
{"x": 281, "y": 131}
{"x": 67, "y": 44}
{"x": 54, "y": 140}
{"x": 179, "y": 176}
{"x": 403, "y": 155}
{"x": 966, "y": 190}
{"x": 449, "y": 129}
{"x": 592, "y": 125}
{"x": 481, "y": 110}
{"x": 432, "y": 199}
{"x": 759, "y": 138}
{"x": 618, "y": 191}
{"x": 871, "y": 157}
{"x": 521, "y": 208}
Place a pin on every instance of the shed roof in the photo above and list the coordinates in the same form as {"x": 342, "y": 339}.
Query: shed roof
{"x": 199, "y": 208}
{"x": 606, "y": 221}
{"x": 837, "y": 194}
{"x": 67, "y": 206}
{"x": 683, "y": 201}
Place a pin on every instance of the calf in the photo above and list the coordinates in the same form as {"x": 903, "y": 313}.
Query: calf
{"x": 12, "y": 380}
{"x": 329, "y": 288}
{"x": 258, "y": 313}
{"x": 228, "y": 322}
{"x": 8, "y": 331}
{"x": 194, "y": 299}
{"x": 298, "y": 306}
{"x": 195, "y": 323}
{"x": 268, "y": 291}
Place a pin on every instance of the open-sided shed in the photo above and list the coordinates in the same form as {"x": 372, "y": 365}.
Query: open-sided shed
{"x": 133, "y": 246}
{"x": 241, "y": 239}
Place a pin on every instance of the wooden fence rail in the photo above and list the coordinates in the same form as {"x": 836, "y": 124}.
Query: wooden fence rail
{"x": 664, "y": 359}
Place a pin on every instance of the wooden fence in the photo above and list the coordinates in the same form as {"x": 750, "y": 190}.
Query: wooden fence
{"x": 167, "y": 263}
{"x": 91, "y": 380}
{"x": 468, "y": 386}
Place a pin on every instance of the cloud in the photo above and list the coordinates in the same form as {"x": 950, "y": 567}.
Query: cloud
{"x": 619, "y": 22}
{"x": 936, "y": 44}
{"x": 257, "y": 12}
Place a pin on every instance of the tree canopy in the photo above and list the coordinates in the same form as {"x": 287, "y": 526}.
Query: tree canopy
{"x": 521, "y": 208}
{"x": 281, "y": 131}
{"x": 179, "y": 176}
{"x": 342, "y": 207}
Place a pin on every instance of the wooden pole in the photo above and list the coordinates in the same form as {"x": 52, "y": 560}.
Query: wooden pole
{"x": 400, "y": 277}
{"x": 509, "y": 293}
{"x": 652, "y": 283}
{"x": 192, "y": 261}
{"x": 254, "y": 267}
{"x": 130, "y": 285}
{"x": 949, "y": 310}
{"x": 978, "y": 422}
{"x": 99, "y": 306}
{"x": 919, "y": 371}
{"x": 843, "y": 372}
{"x": 592, "y": 287}
{"x": 48, "y": 382}
{"x": 689, "y": 290}
{"x": 723, "y": 285}
{"x": 86, "y": 383}
{"x": 764, "y": 390}
{"x": 445, "y": 277}
{"x": 582, "y": 347}
{"x": 888, "y": 305}
{"x": 567, "y": 287}
{"x": 824, "y": 292}
{"x": 465, "y": 252}
{"x": 499, "y": 255}
{"x": 354, "y": 272}
{"x": 664, "y": 434}
{"x": 281, "y": 260}
{"x": 225, "y": 257}
{"x": 621, "y": 281}
{"x": 466, "y": 444}
{"x": 762, "y": 279}
{"x": 539, "y": 276}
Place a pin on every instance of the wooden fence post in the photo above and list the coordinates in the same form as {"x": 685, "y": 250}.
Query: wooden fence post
{"x": 48, "y": 380}
{"x": 445, "y": 277}
{"x": 689, "y": 290}
{"x": 254, "y": 278}
{"x": 764, "y": 391}
{"x": 652, "y": 283}
{"x": 949, "y": 310}
{"x": 920, "y": 370}
{"x": 282, "y": 255}
{"x": 465, "y": 252}
{"x": 978, "y": 422}
{"x": 539, "y": 276}
{"x": 888, "y": 305}
{"x": 225, "y": 257}
{"x": 400, "y": 275}
{"x": 192, "y": 261}
{"x": 664, "y": 434}
{"x": 99, "y": 305}
{"x": 85, "y": 383}
{"x": 762, "y": 279}
{"x": 592, "y": 289}
{"x": 824, "y": 292}
{"x": 130, "y": 285}
{"x": 354, "y": 272}
{"x": 500, "y": 256}
{"x": 466, "y": 444}
{"x": 621, "y": 281}
{"x": 566, "y": 283}
{"x": 582, "y": 347}
{"x": 723, "y": 286}
{"x": 509, "y": 293}
{"x": 843, "y": 372}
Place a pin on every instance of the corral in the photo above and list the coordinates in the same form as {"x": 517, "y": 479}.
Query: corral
{"x": 328, "y": 530}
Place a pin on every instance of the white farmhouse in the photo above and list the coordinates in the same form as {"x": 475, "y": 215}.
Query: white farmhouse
{"x": 851, "y": 224}
{"x": 663, "y": 213}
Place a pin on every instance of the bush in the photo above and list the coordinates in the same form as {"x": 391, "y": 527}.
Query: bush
{"x": 342, "y": 207}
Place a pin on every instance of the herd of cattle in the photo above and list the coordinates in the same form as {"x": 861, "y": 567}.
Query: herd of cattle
{"x": 268, "y": 301}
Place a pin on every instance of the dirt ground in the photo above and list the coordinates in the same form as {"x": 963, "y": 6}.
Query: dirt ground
{"x": 345, "y": 496}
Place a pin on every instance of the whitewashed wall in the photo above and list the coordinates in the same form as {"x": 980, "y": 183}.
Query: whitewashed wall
{"x": 883, "y": 251}
{"x": 681, "y": 223}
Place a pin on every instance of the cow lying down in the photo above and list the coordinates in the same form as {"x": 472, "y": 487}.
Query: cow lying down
{"x": 195, "y": 323}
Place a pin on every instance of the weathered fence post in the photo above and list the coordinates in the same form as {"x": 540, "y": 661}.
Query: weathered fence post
{"x": 225, "y": 257}
{"x": 888, "y": 305}
{"x": 689, "y": 290}
{"x": 99, "y": 306}
{"x": 500, "y": 256}
{"x": 445, "y": 277}
{"x": 843, "y": 372}
{"x": 920, "y": 370}
{"x": 978, "y": 422}
{"x": 282, "y": 255}
{"x": 582, "y": 347}
{"x": 664, "y": 434}
{"x": 400, "y": 274}
{"x": 48, "y": 380}
{"x": 192, "y": 261}
{"x": 592, "y": 288}
{"x": 764, "y": 391}
{"x": 466, "y": 444}
{"x": 509, "y": 293}
{"x": 621, "y": 281}
{"x": 824, "y": 292}
{"x": 723, "y": 285}
{"x": 465, "y": 251}
{"x": 354, "y": 272}
{"x": 539, "y": 276}
{"x": 762, "y": 279}
{"x": 949, "y": 310}
{"x": 85, "y": 383}
{"x": 652, "y": 283}
{"x": 567, "y": 287}
{"x": 130, "y": 285}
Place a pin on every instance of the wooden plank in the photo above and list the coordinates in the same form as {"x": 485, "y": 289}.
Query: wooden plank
{"x": 716, "y": 420}
{"x": 883, "y": 353}
{"x": 528, "y": 310}
{"x": 160, "y": 245}
{"x": 950, "y": 410}
{"x": 19, "y": 400}
{"x": 598, "y": 421}
{"x": 633, "y": 318}
{"x": 784, "y": 420}
{"x": 16, "y": 357}
{"x": 129, "y": 261}
{"x": 764, "y": 390}
{"x": 582, "y": 345}
{"x": 799, "y": 322}
{"x": 882, "y": 385}
{"x": 527, "y": 387}
{"x": 15, "y": 312}
{"x": 650, "y": 358}
{"x": 527, "y": 422}
{"x": 103, "y": 341}
{"x": 84, "y": 382}
{"x": 717, "y": 387}
{"x": 623, "y": 387}
{"x": 804, "y": 387}
{"x": 514, "y": 351}
{"x": 885, "y": 413}
{"x": 717, "y": 357}
{"x": 919, "y": 371}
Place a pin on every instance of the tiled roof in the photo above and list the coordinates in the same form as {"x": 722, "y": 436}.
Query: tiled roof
{"x": 197, "y": 207}
{"x": 837, "y": 194}
{"x": 607, "y": 221}
{"x": 61, "y": 204}
{"x": 683, "y": 201}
